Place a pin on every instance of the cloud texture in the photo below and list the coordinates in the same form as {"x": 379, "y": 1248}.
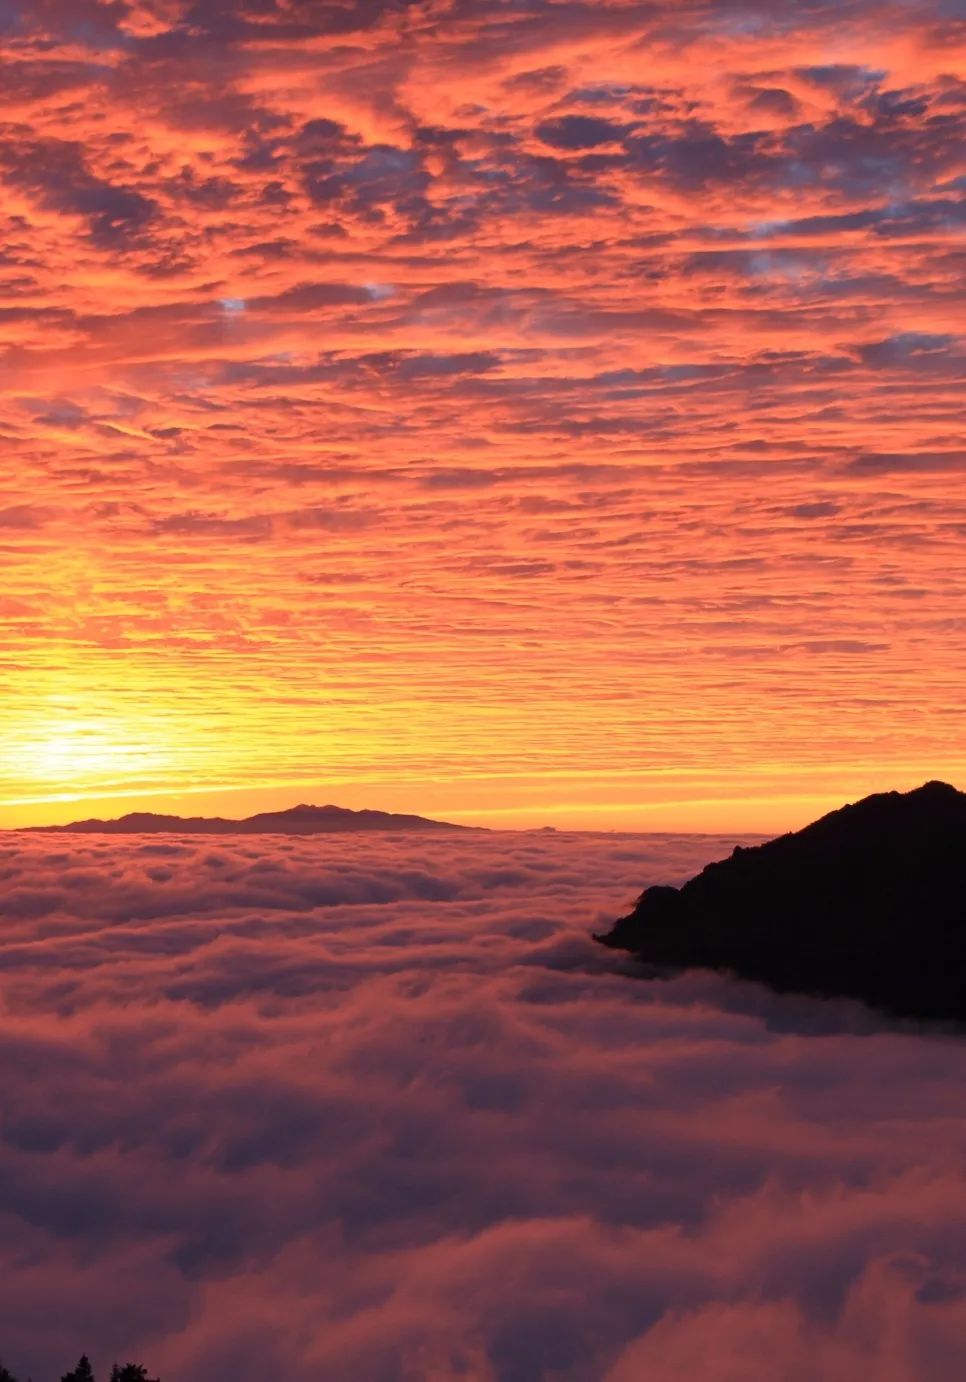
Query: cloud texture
{"x": 387, "y": 380}
{"x": 378, "y": 1108}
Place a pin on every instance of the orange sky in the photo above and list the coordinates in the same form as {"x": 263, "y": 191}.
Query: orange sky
{"x": 519, "y": 413}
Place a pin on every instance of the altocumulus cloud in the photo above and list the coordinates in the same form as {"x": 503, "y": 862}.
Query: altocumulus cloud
{"x": 377, "y": 1108}
{"x": 499, "y": 349}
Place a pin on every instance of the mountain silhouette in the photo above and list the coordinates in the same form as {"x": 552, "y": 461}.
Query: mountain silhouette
{"x": 297, "y": 820}
{"x": 868, "y": 902}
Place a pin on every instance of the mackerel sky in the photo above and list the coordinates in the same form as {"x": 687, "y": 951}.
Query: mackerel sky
{"x": 524, "y": 412}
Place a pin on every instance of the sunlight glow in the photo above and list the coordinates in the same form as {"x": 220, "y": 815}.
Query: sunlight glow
{"x": 58, "y": 758}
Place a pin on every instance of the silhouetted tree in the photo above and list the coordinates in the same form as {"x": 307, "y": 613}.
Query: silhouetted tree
{"x": 6, "y": 1375}
{"x": 82, "y": 1373}
{"x": 131, "y": 1372}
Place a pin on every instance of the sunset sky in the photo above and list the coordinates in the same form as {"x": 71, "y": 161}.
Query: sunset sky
{"x": 520, "y": 413}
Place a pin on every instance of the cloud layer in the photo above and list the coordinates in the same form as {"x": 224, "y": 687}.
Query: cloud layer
{"x": 378, "y": 1108}
{"x": 388, "y": 380}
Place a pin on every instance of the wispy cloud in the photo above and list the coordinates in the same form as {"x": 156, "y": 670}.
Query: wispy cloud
{"x": 455, "y": 373}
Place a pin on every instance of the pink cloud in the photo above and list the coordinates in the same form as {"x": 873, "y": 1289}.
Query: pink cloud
{"x": 541, "y": 367}
{"x": 376, "y": 1104}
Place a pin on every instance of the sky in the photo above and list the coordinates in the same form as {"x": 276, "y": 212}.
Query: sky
{"x": 519, "y": 413}
{"x": 377, "y": 1109}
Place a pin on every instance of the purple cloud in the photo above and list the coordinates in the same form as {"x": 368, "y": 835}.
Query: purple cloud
{"x": 351, "y": 1108}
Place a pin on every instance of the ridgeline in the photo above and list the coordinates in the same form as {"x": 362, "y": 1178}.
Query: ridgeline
{"x": 868, "y": 902}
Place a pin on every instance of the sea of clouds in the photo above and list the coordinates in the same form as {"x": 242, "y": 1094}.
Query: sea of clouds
{"x": 377, "y": 1109}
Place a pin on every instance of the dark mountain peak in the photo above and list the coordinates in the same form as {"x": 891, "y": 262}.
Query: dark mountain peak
{"x": 935, "y": 788}
{"x": 303, "y": 819}
{"x": 938, "y": 796}
{"x": 931, "y": 796}
{"x": 132, "y": 822}
{"x": 868, "y": 901}
{"x": 934, "y": 805}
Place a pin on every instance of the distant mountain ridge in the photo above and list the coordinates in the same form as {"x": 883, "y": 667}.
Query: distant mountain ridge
{"x": 868, "y": 902}
{"x": 296, "y": 820}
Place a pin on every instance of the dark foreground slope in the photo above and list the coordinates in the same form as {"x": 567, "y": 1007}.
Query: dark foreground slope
{"x": 298, "y": 820}
{"x": 869, "y": 902}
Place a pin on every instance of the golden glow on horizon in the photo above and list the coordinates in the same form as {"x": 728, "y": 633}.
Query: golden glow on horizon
{"x": 566, "y": 803}
{"x": 79, "y": 755}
